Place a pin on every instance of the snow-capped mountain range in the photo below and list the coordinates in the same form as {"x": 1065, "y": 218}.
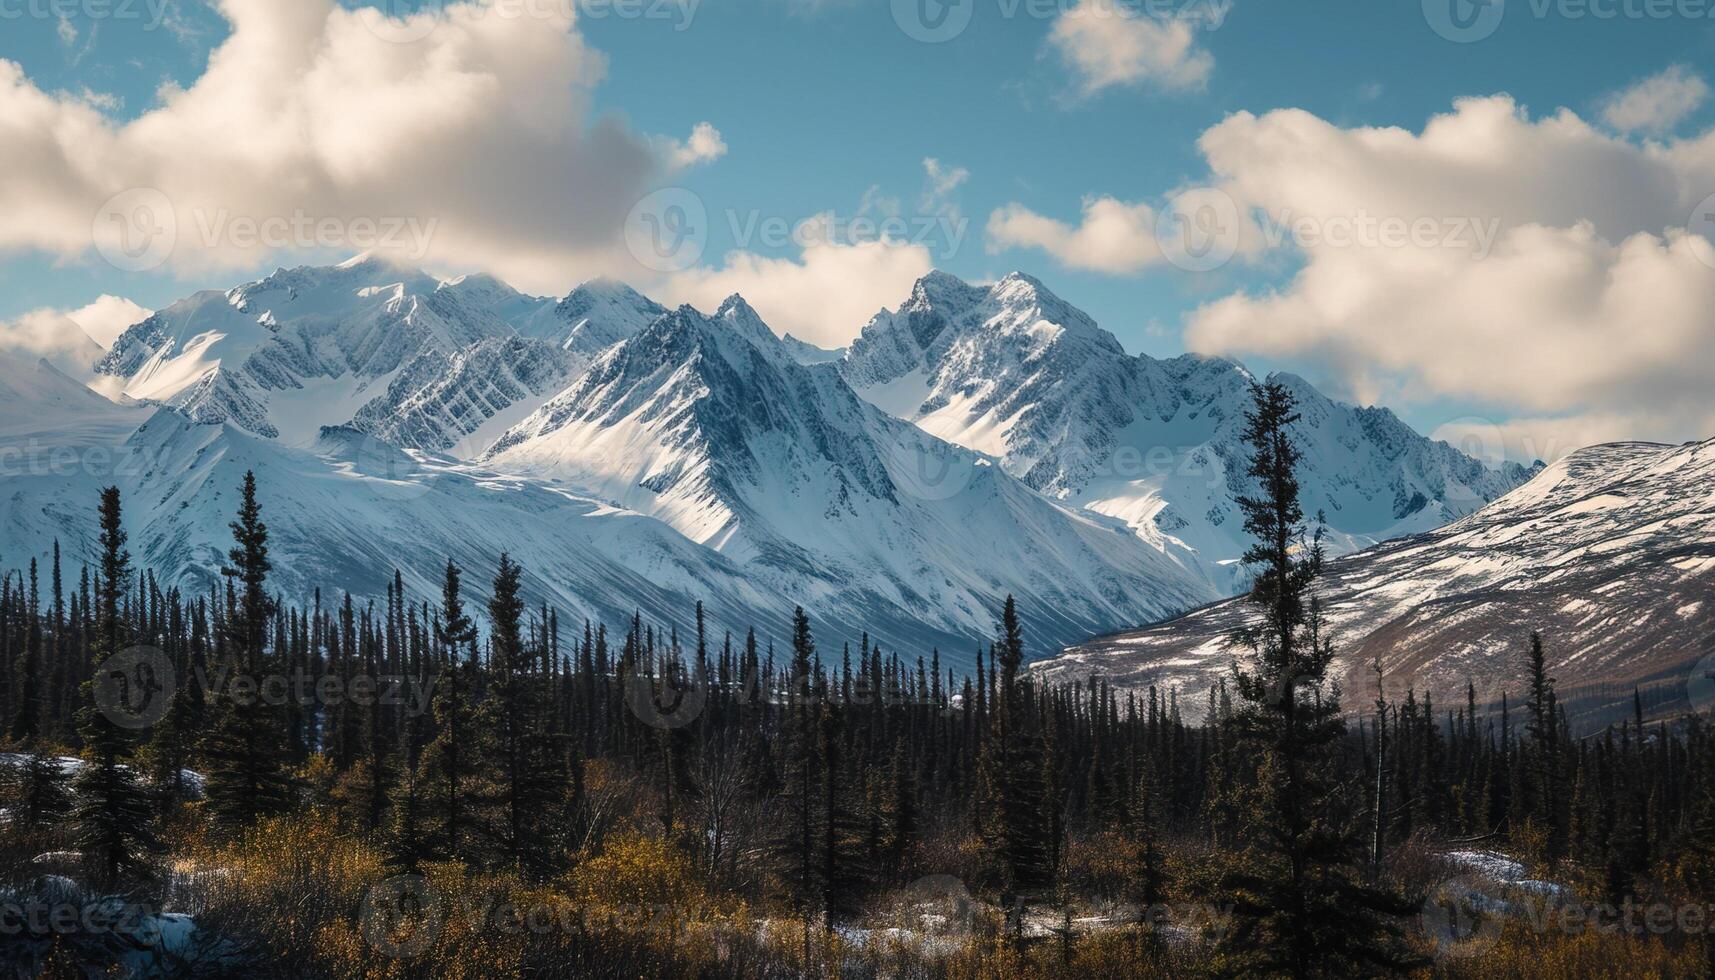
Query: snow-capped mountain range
{"x": 1013, "y": 371}
{"x": 980, "y": 440}
{"x": 1609, "y": 552}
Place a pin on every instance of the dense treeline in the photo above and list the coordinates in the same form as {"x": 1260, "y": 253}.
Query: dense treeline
{"x": 812, "y": 781}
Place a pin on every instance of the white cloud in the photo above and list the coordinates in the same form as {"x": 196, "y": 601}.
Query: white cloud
{"x": 824, "y": 296}
{"x": 1123, "y": 238}
{"x": 70, "y": 340}
{"x": 479, "y": 126}
{"x": 1658, "y": 103}
{"x": 704, "y": 146}
{"x": 1109, "y": 43}
{"x": 1592, "y": 315}
{"x": 106, "y": 318}
{"x": 1114, "y": 236}
{"x": 941, "y": 183}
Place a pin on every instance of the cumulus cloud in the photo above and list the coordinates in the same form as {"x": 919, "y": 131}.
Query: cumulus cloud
{"x": 70, "y": 340}
{"x": 1658, "y": 103}
{"x": 704, "y": 146}
{"x": 1113, "y": 237}
{"x": 106, "y": 318}
{"x": 475, "y": 125}
{"x": 1112, "y": 43}
{"x": 1195, "y": 228}
{"x": 823, "y": 296}
{"x": 1591, "y": 315}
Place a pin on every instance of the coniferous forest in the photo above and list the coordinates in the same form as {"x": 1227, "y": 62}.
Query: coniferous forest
{"x": 240, "y": 782}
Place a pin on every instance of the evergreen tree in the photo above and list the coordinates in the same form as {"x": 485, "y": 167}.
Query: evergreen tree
{"x": 245, "y": 752}
{"x": 111, "y": 814}
{"x": 1021, "y": 838}
{"x": 39, "y": 791}
{"x": 451, "y": 760}
{"x": 1295, "y": 883}
{"x": 528, "y": 772}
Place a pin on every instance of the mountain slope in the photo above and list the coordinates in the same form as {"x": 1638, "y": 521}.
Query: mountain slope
{"x": 345, "y": 515}
{"x": 1014, "y": 371}
{"x": 1610, "y": 552}
{"x": 422, "y": 362}
{"x": 713, "y": 425}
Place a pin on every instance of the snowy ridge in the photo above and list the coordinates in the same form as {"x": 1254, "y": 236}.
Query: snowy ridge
{"x": 425, "y": 362}
{"x": 712, "y": 425}
{"x": 982, "y": 440}
{"x": 1609, "y": 552}
{"x": 1015, "y": 372}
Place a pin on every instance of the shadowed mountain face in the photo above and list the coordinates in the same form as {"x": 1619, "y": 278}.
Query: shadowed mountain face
{"x": 1610, "y": 553}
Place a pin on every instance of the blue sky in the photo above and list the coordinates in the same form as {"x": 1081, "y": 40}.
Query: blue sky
{"x": 823, "y": 105}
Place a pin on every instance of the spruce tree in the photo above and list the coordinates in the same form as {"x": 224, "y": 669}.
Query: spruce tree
{"x": 1295, "y": 883}
{"x": 245, "y": 752}
{"x": 111, "y": 814}
{"x": 527, "y": 770}
{"x": 450, "y": 761}
{"x": 39, "y": 792}
{"x": 1021, "y": 837}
